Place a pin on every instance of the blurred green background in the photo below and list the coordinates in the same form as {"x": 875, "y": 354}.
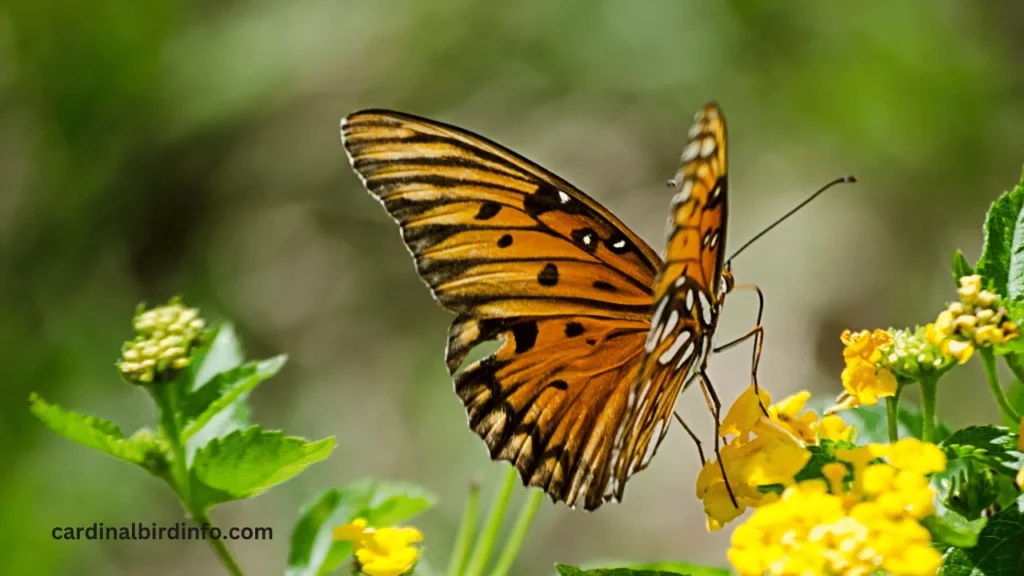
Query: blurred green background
{"x": 163, "y": 147}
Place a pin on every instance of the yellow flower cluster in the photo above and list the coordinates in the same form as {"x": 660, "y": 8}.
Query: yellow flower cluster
{"x": 971, "y": 323}
{"x": 865, "y": 379}
{"x": 851, "y": 526}
{"x": 764, "y": 450}
{"x": 381, "y": 551}
{"x": 164, "y": 337}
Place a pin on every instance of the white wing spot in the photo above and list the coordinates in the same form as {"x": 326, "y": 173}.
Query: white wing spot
{"x": 632, "y": 399}
{"x": 707, "y": 147}
{"x": 689, "y": 300}
{"x": 694, "y": 130}
{"x": 673, "y": 319}
{"x": 646, "y": 389}
{"x": 685, "y": 356}
{"x": 563, "y": 197}
{"x": 690, "y": 152}
{"x": 706, "y": 240}
{"x": 706, "y": 310}
{"x": 684, "y": 193}
{"x": 619, "y": 245}
{"x": 588, "y": 240}
{"x": 667, "y": 356}
{"x": 714, "y": 240}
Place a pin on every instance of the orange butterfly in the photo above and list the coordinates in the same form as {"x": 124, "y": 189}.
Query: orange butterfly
{"x": 598, "y": 335}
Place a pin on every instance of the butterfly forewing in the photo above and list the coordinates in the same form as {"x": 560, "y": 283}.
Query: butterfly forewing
{"x": 687, "y": 294}
{"x": 525, "y": 258}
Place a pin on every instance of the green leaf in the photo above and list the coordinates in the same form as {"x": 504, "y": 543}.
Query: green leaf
{"x": 221, "y": 353}
{"x": 224, "y": 390}
{"x": 248, "y": 462}
{"x": 1001, "y": 265}
{"x": 381, "y": 503}
{"x": 952, "y": 528}
{"x": 960, "y": 267}
{"x": 981, "y": 462}
{"x": 999, "y": 551}
{"x": 143, "y": 448}
{"x": 647, "y": 568}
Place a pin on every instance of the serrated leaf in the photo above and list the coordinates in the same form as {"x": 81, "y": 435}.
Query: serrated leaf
{"x": 224, "y": 390}
{"x": 381, "y": 503}
{"x": 960, "y": 267}
{"x": 952, "y": 528}
{"x": 999, "y": 254}
{"x": 999, "y": 551}
{"x": 96, "y": 433}
{"x": 981, "y": 462}
{"x": 221, "y": 353}
{"x": 247, "y": 462}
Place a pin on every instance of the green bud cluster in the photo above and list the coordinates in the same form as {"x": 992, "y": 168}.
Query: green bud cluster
{"x": 912, "y": 355}
{"x": 164, "y": 339}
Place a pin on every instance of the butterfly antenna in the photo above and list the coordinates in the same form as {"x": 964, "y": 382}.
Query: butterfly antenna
{"x": 843, "y": 180}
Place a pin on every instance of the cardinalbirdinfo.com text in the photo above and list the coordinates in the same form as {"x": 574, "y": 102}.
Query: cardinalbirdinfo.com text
{"x": 152, "y": 531}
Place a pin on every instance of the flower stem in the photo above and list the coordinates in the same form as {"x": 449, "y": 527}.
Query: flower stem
{"x": 515, "y": 540}
{"x": 929, "y": 394}
{"x": 484, "y": 544}
{"x": 168, "y": 397}
{"x": 460, "y": 552}
{"x": 988, "y": 361}
{"x": 892, "y": 405}
{"x": 218, "y": 546}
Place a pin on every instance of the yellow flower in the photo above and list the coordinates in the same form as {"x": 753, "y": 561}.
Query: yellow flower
{"x": 819, "y": 527}
{"x": 971, "y": 323}
{"x": 787, "y": 413}
{"x": 866, "y": 383}
{"x": 355, "y": 531}
{"x": 916, "y": 456}
{"x": 865, "y": 345}
{"x": 385, "y": 551}
{"x": 744, "y": 413}
{"x": 833, "y": 427}
{"x": 748, "y": 464}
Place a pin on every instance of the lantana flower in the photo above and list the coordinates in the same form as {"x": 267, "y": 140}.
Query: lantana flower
{"x": 387, "y": 551}
{"x": 865, "y": 378}
{"x": 827, "y": 527}
{"x": 974, "y": 321}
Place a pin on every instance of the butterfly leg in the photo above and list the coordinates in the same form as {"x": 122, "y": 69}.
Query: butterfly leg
{"x": 700, "y": 449}
{"x": 716, "y": 408}
{"x": 757, "y": 333}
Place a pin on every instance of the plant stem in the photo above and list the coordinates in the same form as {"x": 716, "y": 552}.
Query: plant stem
{"x": 460, "y": 552}
{"x": 484, "y": 544}
{"x": 929, "y": 394}
{"x": 515, "y": 540}
{"x": 218, "y": 546}
{"x": 988, "y": 360}
{"x": 168, "y": 397}
{"x": 892, "y": 405}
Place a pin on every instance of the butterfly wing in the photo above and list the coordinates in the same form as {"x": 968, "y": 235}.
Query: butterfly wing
{"x": 522, "y": 257}
{"x": 686, "y": 295}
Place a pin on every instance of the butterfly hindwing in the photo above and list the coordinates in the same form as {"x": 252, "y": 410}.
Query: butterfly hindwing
{"x": 527, "y": 259}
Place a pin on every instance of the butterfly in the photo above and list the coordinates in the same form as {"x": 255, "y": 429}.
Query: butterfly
{"x": 597, "y": 334}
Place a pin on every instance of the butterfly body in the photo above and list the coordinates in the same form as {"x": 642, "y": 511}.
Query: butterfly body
{"x": 597, "y": 334}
